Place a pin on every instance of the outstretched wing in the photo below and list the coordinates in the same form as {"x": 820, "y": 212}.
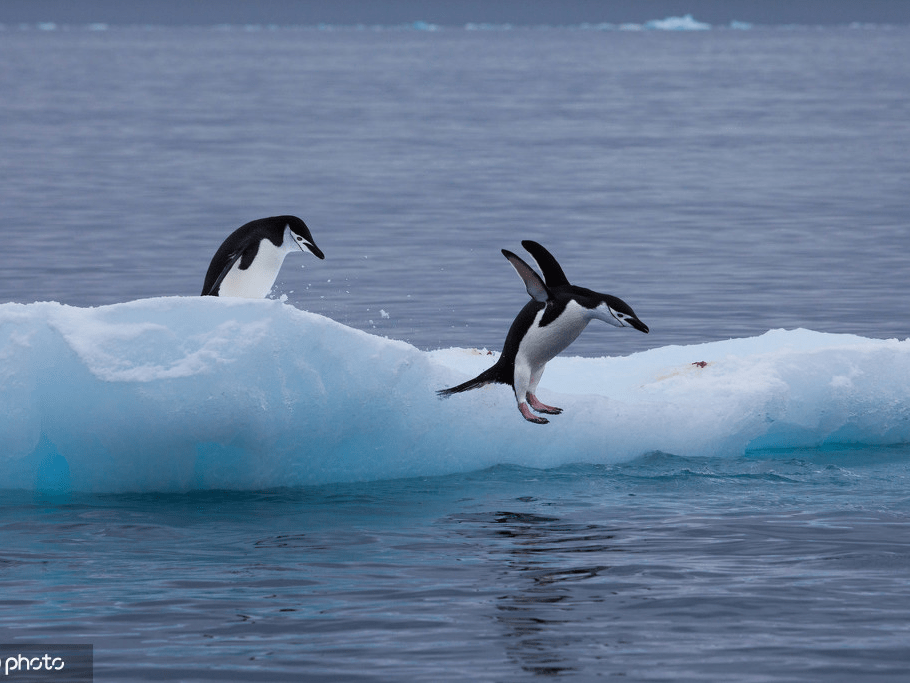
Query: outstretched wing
{"x": 552, "y": 271}
{"x": 535, "y": 286}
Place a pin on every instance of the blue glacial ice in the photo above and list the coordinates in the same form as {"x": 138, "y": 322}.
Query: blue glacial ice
{"x": 182, "y": 393}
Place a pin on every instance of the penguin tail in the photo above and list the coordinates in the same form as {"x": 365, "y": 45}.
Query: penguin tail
{"x": 489, "y": 376}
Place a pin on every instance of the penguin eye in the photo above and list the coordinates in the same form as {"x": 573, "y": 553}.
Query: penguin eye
{"x": 619, "y": 316}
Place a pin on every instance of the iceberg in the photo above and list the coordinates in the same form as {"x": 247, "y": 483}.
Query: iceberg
{"x": 684, "y": 23}
{"x": 184, "y": 393}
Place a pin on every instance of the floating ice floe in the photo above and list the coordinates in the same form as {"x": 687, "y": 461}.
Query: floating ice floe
{"x": 174, "y": 394}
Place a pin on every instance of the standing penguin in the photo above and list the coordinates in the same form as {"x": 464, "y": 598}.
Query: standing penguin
{"x": 248, "y": 262}
{"x": 557, "y": 313}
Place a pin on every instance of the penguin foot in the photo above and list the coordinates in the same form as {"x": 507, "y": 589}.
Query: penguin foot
{"x": 529, "y": 416}
{"x": 542, "y": 407}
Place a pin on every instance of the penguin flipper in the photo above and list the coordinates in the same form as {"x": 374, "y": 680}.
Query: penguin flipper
{"x": 535, "y": 286}
{"x": 212, "y": 289}
{"x": 549, "y": 266}
{"x": 246, "y": 257}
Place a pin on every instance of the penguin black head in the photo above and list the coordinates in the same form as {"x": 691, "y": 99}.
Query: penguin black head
{"x": 555, "y": 285}
{"x": 617, "y": 312}
{"x": 299, "y": 232}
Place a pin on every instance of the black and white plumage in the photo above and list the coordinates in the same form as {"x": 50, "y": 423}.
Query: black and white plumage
{"x": 247, "y": 263}
{"x": 557, "y": 313}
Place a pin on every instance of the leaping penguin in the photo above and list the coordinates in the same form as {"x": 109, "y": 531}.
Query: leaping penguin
{"x": 248, "y": 262}
{"x": 557, "y": 313}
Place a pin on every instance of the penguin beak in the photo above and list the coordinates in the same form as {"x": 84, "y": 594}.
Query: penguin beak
{"x": 637, "y": 324}
{"x": 316, "y": 251}
{"x": 302, "y": 242}
{"x": 620, "y": 319}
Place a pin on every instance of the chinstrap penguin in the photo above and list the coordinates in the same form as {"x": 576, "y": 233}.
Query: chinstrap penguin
{"x": 247, "y": 263}
{"x": 557, "y": 313}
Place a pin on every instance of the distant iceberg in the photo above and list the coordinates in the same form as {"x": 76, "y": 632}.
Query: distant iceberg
{"x": 684, "y": 23}
{"x": 174, "y": 394}
{"x": 423, "y": 26}
{"x": 487, "y": 27}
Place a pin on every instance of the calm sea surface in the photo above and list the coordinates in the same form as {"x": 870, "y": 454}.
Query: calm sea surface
{"x": 723, "y": 183}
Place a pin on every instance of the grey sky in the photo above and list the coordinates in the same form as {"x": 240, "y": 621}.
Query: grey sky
{"x": 450, "y": 12}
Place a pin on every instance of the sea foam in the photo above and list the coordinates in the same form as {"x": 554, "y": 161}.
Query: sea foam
{"x": 175, "y": 394}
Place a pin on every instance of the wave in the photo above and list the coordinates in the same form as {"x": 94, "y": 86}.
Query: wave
{"x": 176, "y": 394}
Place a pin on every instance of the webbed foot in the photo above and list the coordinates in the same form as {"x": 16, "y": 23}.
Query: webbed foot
{"x": 542, "y": 407}
{"x": 529, "y": 416}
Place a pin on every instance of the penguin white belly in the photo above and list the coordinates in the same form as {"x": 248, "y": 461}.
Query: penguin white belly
{"x": 256, "y": 281}
{"x": 540, "y": 344}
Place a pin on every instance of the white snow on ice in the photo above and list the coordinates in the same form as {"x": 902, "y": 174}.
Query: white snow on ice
{"x": 174, "y": 394}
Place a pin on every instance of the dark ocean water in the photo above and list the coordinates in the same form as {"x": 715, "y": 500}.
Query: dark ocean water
{"x": 723, "y": 183}
{"x": 664, "y": 568}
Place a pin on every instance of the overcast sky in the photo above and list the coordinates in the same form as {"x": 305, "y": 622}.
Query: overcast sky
{"x": 450, "y": 12}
